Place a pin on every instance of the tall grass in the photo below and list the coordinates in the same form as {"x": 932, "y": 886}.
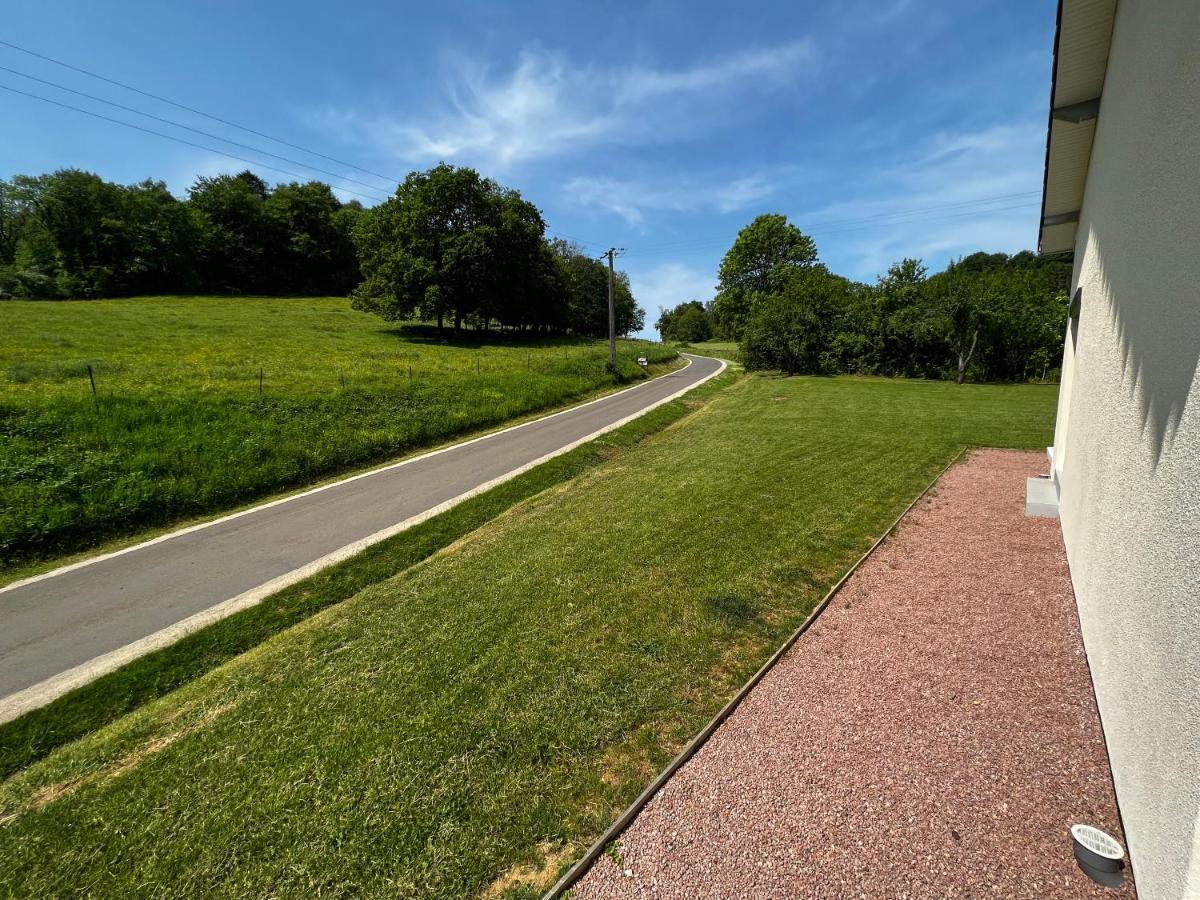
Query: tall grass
{"x": 203, "y": 404}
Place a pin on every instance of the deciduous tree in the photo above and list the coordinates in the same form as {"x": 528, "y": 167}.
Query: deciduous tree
{"x": 763, "y": 257}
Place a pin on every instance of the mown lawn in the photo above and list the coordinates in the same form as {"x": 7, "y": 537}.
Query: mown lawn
{"x": 477, "y": 719}
{"x": 181, "y": 426}
{"x": 83, "y": 710}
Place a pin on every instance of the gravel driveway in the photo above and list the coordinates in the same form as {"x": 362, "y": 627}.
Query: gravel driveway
{"x": 934, "y": 734}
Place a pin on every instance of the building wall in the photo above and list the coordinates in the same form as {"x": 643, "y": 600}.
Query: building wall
{"x": 1130, "y": 458}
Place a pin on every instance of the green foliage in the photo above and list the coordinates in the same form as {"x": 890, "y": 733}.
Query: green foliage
{"x": 451, "y": 243}
{"x": 317, "y": 255}
{"x": 689, "y": 322}
{"x": 71, "y": 234}
{"x": 991, "y": 317}
{"x": 34, "y": 735}
{"x": 585, "y": 280}
{"x": 422, "y": 737}
{"x": 765, "y": 254}
{"x": 793, "y": 329}
{"x": 180, "y": 428}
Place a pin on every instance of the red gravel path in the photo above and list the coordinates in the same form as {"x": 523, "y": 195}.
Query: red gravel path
{"x": 934, "y": 734}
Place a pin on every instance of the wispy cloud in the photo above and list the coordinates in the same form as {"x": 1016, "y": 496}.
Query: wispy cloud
{"x": 924, "y": 205}
{"x": 546, "y": 107}
{"x": 632, "y": 200}
{"x": 770, "y": 63}
{"x": 888, "y": 13}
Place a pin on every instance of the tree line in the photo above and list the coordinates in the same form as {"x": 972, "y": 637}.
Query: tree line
{"x": 988, "y": 317}
{"x": 455, "y": 247}
{"x": 450, "y": 246}
{"x": 71, "y": 234}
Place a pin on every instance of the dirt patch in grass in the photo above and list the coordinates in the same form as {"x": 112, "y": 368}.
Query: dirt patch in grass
{"x": 536, "y": 875}
{"x": 129, "y": 761}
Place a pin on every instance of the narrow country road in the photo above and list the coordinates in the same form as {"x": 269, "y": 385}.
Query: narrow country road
{"x": 62, "y": 629}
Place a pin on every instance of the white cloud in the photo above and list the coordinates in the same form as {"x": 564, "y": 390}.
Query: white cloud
{"x": 924, "y": 206}
{"x": 632, "y": 200}
{"x": 545, "y": 107}
{"x": 637, "y": 84}
{"x": 668, "y": 285}
{"x": 889, "y": 13}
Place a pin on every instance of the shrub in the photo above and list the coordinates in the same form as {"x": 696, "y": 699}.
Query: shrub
{"x": 790, "y": 330}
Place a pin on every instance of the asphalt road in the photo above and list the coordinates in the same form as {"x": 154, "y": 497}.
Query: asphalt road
{"x": 59, "y": 630}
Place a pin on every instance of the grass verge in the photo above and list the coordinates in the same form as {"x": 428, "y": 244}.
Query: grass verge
{"x": 32, "y": 736}
{"x": 203, "y": 404}
{"x": 38, "y": 566}
{"x": 470, "y": 725}
{"x": 720, "y": 349}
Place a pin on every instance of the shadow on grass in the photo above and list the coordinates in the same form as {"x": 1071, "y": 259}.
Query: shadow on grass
{"x": 422, "y": 333}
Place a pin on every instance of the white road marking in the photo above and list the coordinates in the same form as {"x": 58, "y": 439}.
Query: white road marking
{"x": 54, "y": 687}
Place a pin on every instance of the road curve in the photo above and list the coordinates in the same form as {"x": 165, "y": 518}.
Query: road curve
{"x": 62, "y": 629}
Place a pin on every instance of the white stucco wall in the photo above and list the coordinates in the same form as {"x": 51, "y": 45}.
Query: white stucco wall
{"x": 1130, "y": 458}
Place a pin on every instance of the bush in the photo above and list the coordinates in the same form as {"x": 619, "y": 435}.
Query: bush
{"x": 790, "y": 330}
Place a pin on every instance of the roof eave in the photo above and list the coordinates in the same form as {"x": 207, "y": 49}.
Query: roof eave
{"x": 1082, "y": 35}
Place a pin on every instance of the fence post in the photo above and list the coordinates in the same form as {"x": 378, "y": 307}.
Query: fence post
{"x": 95, "y": 396}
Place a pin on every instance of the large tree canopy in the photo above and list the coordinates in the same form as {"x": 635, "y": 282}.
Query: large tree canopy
{"x": 988, "y": 316}
{"x": 765, "y": 254}
{"x": 689, "y": 322}
{"x": 585, "y": 281}
{"x": 794, "y": 328}
{"x": 72, "y": 234}
{"x": 451, "y": 243}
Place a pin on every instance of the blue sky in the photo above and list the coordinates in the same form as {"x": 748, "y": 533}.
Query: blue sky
{"x": 660, "y": 127}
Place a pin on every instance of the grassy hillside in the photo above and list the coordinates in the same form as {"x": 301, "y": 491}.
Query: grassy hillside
{"x": 720, "y": 349}
{"x": 471, "y": 723}
{"x": 180, "y": 426}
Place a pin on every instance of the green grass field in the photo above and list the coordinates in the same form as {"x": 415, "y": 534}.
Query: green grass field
{"x": 180, "y": 427}
{"x": 720, "y": 349}
{"x": 83, "y": 710}
{"x": 476, "y": 720}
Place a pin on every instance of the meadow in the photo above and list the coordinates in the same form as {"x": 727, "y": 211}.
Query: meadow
{"x": 203, "y": 404}
{"x": 468, "y": 725}
{"x": 720, "y": 349}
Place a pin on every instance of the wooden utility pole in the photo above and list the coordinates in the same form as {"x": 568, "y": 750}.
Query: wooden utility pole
{"x": 612, "y": 309}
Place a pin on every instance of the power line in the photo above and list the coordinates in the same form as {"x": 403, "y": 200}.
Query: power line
{"x": 571, "y": 237}
{"x": 171, "y": 137}
{"x": 191, "y": 109}
{"x": 207, "y": 134}
{"x": 942, "y": 218}
{"x": 900, "y": 217}
{"x": 979, "y": 201}
{"x": 609, "y": 254}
